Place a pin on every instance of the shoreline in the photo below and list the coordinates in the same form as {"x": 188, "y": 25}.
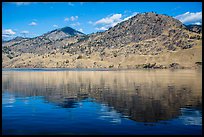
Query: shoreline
{"x": 96, "y": 69}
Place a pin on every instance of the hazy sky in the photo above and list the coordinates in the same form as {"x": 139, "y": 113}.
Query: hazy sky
{"x": 35, "y": 18}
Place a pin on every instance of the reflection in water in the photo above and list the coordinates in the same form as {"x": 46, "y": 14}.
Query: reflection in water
{"x": 142, "y": 95}
{"x": 190, "y": 117}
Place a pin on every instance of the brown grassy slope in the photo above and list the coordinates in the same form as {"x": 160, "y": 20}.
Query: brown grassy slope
{"x": 186, "y": 58}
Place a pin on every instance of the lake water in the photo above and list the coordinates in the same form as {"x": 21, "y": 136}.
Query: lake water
{"x": 63, "y": 101}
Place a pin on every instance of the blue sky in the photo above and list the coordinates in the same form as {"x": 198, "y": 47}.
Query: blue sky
{"x": 36, "y": 18}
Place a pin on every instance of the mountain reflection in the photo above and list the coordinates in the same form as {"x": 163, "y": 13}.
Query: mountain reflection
{"x": 144, "y": 96}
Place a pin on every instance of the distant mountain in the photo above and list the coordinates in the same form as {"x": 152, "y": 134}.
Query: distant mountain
{"x": 62, "y": 33}
{"x": 44, "y": 43}
{"x": 3, "y": 41}
{"x": 147, "y": 40}
{"x": 18, "y": 38}
{"x": 195, "y": 28}
{"x": 14, "y": 41}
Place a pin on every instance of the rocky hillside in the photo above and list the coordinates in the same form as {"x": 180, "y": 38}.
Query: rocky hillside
{"x": 147, "y": 40}
{"x": 146, "y": 33}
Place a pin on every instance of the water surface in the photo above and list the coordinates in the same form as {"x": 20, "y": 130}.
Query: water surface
{"x": 50, "y": 101}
